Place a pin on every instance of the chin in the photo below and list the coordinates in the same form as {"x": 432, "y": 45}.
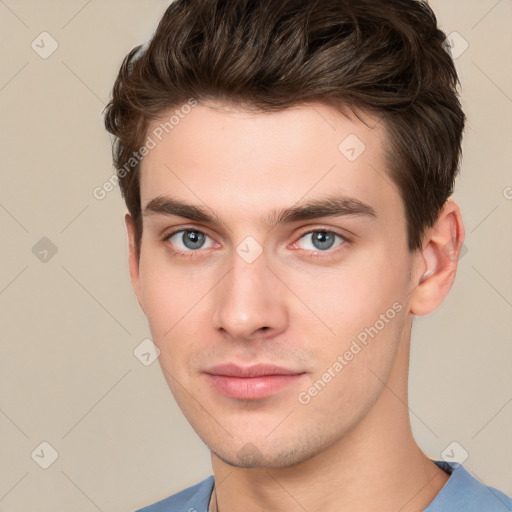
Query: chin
{"x": 250, "y": 456}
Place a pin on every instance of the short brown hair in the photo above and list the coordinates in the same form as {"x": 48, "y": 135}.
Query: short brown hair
{"x": 385, "y": 56}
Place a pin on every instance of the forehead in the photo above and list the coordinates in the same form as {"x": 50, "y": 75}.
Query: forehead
{"x": 236, "y": 161}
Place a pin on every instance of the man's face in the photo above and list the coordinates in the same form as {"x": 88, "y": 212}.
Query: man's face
{"x": 320, "y": 298}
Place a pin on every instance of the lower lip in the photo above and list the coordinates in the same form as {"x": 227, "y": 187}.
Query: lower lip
{"x": 252, "y": 388}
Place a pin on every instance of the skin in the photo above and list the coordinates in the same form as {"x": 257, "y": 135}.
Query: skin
{"x": 350, "y": 448}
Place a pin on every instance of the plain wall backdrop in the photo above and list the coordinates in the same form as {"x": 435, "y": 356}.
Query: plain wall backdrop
{"x": 70, "y": 322}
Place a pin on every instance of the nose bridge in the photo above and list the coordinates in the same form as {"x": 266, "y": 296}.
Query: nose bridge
{"x": 249, "y": 299}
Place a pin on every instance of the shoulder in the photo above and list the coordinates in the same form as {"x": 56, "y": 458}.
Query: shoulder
{"x": 464, "y": 492}
{"x": 191, "y": 499}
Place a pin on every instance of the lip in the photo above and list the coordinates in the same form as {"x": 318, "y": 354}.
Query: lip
{"x": 251, "y": 382}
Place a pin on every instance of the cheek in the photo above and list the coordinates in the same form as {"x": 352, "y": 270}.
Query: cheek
{"x": 351, "y": 369}
{"x": 175, "y": 303}
{"x": 169, "y": 293}
{"x": 341, "y": 301}
{"x": 356, "y": 315}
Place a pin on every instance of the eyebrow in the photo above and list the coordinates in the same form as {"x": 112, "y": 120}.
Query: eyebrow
{"x": 327, "y": 206}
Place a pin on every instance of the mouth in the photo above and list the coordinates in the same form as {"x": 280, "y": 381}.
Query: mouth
{"x": 251, "y": 382}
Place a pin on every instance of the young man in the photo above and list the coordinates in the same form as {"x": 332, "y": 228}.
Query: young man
{"x": 287, "y": 168}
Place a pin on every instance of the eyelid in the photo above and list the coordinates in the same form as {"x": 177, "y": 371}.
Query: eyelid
{"x": 324, "y": 229}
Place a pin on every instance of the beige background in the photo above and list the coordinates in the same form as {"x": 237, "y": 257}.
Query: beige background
{"x": 70, "y": 324}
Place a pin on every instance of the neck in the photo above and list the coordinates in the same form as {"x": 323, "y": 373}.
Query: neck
{"x": 377, "y": 466}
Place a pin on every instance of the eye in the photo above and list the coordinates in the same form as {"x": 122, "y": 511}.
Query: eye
{"x": 187, "y": 240}
{"x": 191, "y": 240}
{"x": 320, "y": 240}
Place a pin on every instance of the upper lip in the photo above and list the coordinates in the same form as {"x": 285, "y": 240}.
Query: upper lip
{"x": 258, "y": 370}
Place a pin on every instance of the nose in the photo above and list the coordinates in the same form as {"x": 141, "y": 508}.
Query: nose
{"x": 250, "y": 301}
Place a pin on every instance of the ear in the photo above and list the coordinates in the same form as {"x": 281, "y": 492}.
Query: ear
{"x": 436, "y": 264}
{"x": 133, "y": 258}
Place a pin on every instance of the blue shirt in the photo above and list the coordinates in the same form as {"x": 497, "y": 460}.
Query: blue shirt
{"x": 461, "y": 493}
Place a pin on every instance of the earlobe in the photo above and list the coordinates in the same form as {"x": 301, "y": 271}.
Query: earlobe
{"x": 436, "y": 263}
{"x": 133, "y": 258}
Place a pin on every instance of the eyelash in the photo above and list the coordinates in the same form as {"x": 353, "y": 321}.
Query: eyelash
{"x": 313, "y": 254}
